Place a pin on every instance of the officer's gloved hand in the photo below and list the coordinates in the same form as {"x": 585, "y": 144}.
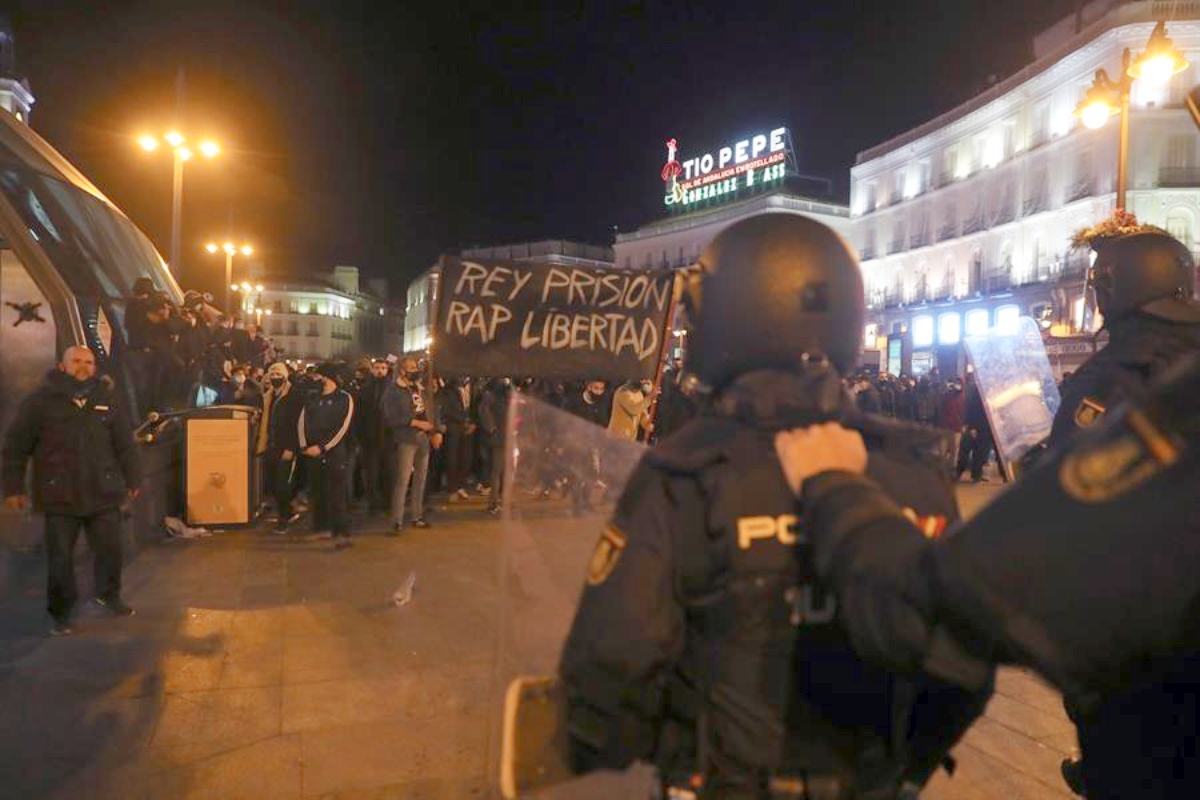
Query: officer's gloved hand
{"x": 807, "y": 452}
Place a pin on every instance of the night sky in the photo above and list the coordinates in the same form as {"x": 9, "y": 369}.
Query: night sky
{"x": 380, "y": 134}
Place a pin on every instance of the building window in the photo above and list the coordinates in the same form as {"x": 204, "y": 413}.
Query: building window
{"x": 277, "y": 306}
{"x": 870, "y": 336}
{"x": 1007, "y": 318}
{"x": 293, "y": 329}
{"x": 922, "y": 331}
{"x": 977, "y": 322}
{"x": 949, "y": 328}
{"x": 628, "y": 262}
{"x": 950, "y": 165}
{"x": 312, "y": 329}
{"x": 1179, "y": 225}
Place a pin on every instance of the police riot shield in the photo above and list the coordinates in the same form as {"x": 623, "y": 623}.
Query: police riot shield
{"x": 1017, "y": 387}
{"x": 563, "y": 475}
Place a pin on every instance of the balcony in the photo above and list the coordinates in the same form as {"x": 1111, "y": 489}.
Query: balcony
{"x": 946, "y": 178}
{"x": 974, "y": 225}
{"x": 1172, "y": 177}
{"x": 1080, "y": 190}
{"x": 897, "y": 246}
{"x": 866, "y": 253}
{"x": 895, "y": 197}
{"x": 1034, "y": 204}
{"x": 947, "y": 231}
{"x": 1004, "y": 214}
{"x": 997, "y": 281}
{"x": 919, "y": 240}
{"x": 1075, "y": 268}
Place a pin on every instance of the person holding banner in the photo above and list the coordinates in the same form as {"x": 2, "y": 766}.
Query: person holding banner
{"x": 407, "y": 414}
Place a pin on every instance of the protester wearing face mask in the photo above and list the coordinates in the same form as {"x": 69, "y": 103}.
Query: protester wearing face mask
{"x": 493, "y": 418}
{"x": 457, "y": 414}
{"x": 407, "y": 413}
{"x": 85, "y": 466}
{"x": 240, "y": 390}
{"x": 278, "y": 442}
{"x": 591, "y": 405}
{"x": 630, "y": 409}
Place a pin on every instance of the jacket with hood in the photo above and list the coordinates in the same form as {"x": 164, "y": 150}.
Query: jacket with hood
{"x": 281, "y": 416}
{"x": 81, "y": 442}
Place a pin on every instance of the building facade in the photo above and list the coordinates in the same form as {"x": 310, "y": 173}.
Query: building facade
{"x": 965, "y": 222}
{"x": 328, "y": 317}
{"x": 676, "y": 242}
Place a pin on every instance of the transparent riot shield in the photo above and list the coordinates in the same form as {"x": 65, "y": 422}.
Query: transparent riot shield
{"x": 563, "y": 476}
{"x": 1017, "y": 387}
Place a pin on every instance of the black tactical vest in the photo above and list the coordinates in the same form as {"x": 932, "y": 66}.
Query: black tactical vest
{"x": 785, "y": 693}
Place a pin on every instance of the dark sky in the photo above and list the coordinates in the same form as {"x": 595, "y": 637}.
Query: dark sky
{"x": 379, "y": 134}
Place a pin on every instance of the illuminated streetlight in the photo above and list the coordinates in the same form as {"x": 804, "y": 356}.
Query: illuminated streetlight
{"x": 1106, "y": 97}
{"x": 230, "y": 250}
{"x": 175, "y": 140}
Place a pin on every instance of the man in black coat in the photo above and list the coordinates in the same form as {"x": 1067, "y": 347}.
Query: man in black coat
{"x": 375, "y": 447}
{"x": 85, "y": 468}
{"x": 493, "y": 418}
{"x": 279, "y": 441}
{"x": 323, "y": 430}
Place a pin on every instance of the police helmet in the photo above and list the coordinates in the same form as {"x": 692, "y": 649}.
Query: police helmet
{"x": 774, "y": 291}
{"x": 1149, "y": 271}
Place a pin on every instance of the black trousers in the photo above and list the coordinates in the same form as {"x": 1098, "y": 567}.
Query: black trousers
{"x": 496, "y": 450}
{"x": 329, "y": 483}
{"x": 281, "y": 480}
{"x": 458, "y": 458}
{"x": 103, "y": 533}
{"x": 973, "y": 452}
{"x": 376, "y": 459}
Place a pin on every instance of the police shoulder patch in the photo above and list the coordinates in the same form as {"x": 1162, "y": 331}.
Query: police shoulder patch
{"x": 605, "y": 556}
{"x": 1088, "y": 412}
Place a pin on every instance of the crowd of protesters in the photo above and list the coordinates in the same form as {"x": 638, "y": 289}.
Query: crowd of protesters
{"x": 954, "y": 405}
{"x": 385, "y": 435}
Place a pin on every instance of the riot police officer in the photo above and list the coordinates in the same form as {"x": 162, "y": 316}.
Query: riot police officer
{"x": 1144, "y": 283}
{"x": 703, "y": 641}
{"x": 1120, "y": 637}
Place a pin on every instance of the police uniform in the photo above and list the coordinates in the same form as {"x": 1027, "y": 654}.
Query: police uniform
{"x": 703, "y": 641}
{"x": 1144, "y": 282}
{"x": 1120, "y": 638}
{"x": 1139, "y": 348}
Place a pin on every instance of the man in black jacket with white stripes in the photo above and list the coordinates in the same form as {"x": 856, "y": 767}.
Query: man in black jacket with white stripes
{"x": 324, "y": 429}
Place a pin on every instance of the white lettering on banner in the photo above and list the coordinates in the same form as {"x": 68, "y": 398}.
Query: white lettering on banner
{"x": 614, "y": 333}
{"x": 463, "y": 319}
{"x": 723, "y": 156}
{"x": 619, "y": 313}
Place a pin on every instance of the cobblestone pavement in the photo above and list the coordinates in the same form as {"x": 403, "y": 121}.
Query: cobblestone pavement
{"x": 265, "y": 667}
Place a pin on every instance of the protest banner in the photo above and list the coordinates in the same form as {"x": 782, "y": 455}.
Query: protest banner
{"x": 551, "y": 321}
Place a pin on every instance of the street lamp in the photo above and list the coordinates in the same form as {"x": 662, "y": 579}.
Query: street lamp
{"x": 181, "y": 153}
{"x": 230, "y": 250}
{"x": 1106, "y": 97}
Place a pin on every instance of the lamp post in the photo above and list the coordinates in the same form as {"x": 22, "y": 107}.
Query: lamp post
{"x": 1106, "y": 97}
{"x": 182, "y": 154}
{"x": 230, "y": 250}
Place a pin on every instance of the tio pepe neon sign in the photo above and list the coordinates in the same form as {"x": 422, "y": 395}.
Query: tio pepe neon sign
{"x": 758, "y": 159}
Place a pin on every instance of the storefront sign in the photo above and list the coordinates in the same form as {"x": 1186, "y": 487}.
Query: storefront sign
{"x": 752, "y": 162}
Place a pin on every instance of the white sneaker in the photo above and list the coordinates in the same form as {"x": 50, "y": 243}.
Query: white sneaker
{"x": 464, "y": 494}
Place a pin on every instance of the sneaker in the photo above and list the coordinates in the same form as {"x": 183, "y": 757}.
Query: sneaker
{"x": 396, "y": 530}
{"x": 494, "y": 511}
{"x": 463, "y": 494}
{"x": 116, "y": 607}
{"x": 61, "y": 627}
{"x": 294, "y": 518}
{"x": 342, "y": 542}
{"x": 420, "y": 522}
{"x": 321, "y": 536}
